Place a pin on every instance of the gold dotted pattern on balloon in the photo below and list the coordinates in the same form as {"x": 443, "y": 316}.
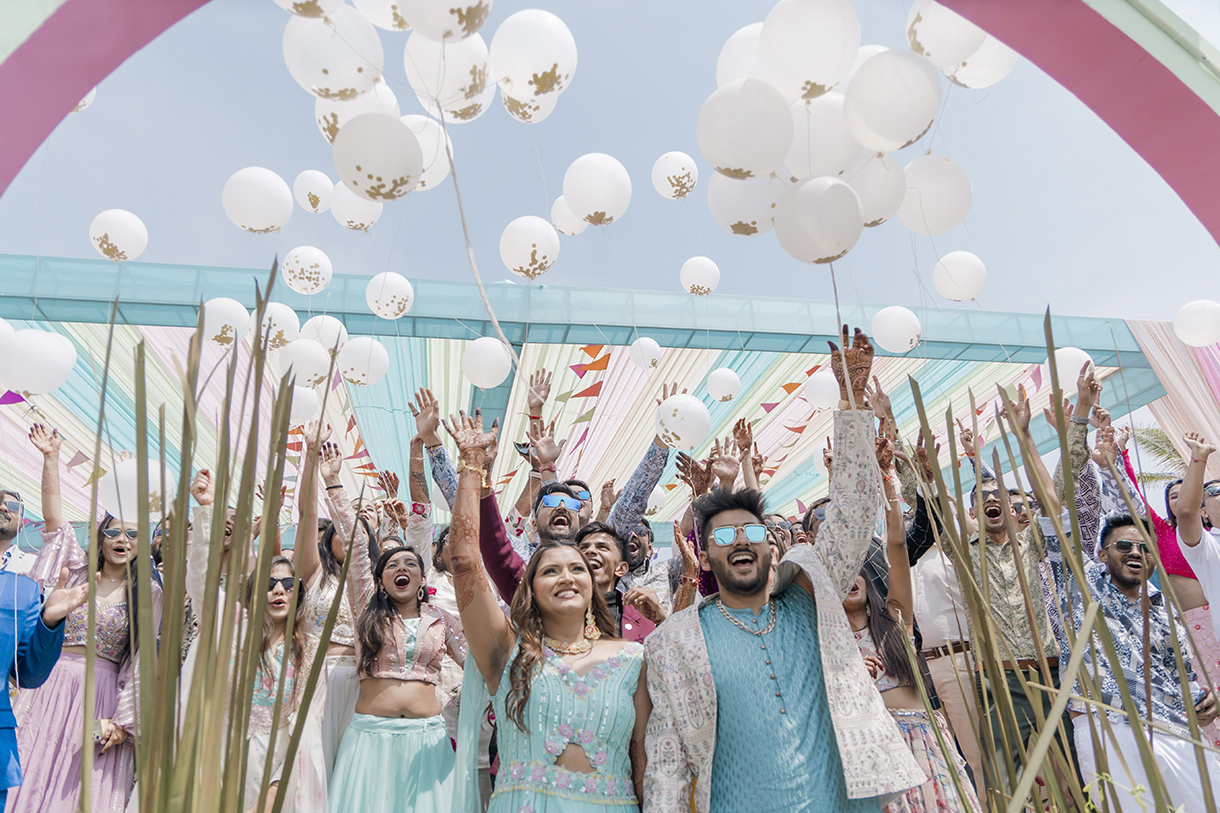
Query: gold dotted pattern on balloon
{"x": 812, "y": 90}
{"x": 277, "y": 338}
{"x": 743, "y": 228}
{"x": 225, "y": 337}
{"x": 341, "y": 95}
{"x": 307, "y": 8}
{"x": 825, "y": 260}
{"x": 726, "y": 399}
{"x": 471, "y": 19}
{"x": 521, "y": 111}
{"x": 913, "y": 35}
{"x": 267, "y": 230}
{"x": 314, "y": 201}
{"x": 876, "y": 222}
{"x": 468, "y": 112}
{"x": 547, "y": 82}
{"x": 81, "y": 105}
{"x": 393, "y": 307}
{"x": 599, "y": 219}
{"x": 921, "y": 135}
{"x": 398, "y": 188}
{"x": 699, "y": 290}
{"x": 536, "y": 266}
{"x": 353, "y": 376}
{"x": 154, "y": 505}
{"x": 478, "y": 82}
{"x": 109, "y": 249}
{"x": 330, "y": 126}
{"x": 682, "y": 185}
{"x": 357, "y": 226}
{"x": 309, "y": 277}
{"x": 737, "y": 174}
{"x": 399, "y": 22}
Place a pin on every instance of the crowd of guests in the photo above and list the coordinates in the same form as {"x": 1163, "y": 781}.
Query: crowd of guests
{"x": 546, "y": 660}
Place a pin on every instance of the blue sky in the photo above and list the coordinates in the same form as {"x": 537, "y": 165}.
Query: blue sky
{"x": 1064, "y": 213}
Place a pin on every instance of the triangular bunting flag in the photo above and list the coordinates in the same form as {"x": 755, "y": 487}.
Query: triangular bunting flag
{"x": 1036, "y": 378}
{"x": 562, "y": 399}
{"x": 791, "y": 388}
{"x": 96, "y": 474}
{"x": 295, "y": 447}
{"x": 508, "y": 478}
{"x": 76, "y": 460}
{"x": 590, "y": 392}
{"x": 366, "y": 466}
{"x": 588, "y": 416}
{"x": 811, "y": 371}
{"x": 601, "y": 364}
{"x": 797, "y": 429}
{"x": 800, "y": 506}
{"x": 10, "y": 397}
{"x": 359, "y": 454}
{"x": 769, "y": 407}
{"x": 579, "y": 369}
{"x": 592, "y": 350}
{"x": 670, "y": 486}
{"x": 583, "y": 435}
{"x": 351, "y": 424}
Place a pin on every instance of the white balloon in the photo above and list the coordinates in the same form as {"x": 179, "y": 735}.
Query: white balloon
{"x": 882, "y": 186}
{"x": 118, "y": 235}
{"x": 564, "y": 220}
{"x": 674, "y": 175}
{"x": 529, "y": 246}
{"x": 353, "y": 211}
{"x": 938, "y": 197}
{"x": 683, "y": 421}
{"x": 821, "y": 389}
{"x": 280, "y": 324}
{"x": 896, "y": 329}
{"x": 597, "y": 188}
{"x": 383, "y": 14}
{"x": 326, "y": 331}
{"x": 533, "y": 54}
{"x": 1198, "y": 323}
{"x": 463, "y": 110}
{"x": 699, "y": 276}
{"x": 225, "y": 321}
{"x": 309, "y": 8}
{"x": 378, "y": 156}
{"x": 1069, "y": 361}
{"x": 739, "y": 57}
{"x": 941, "y": 34}
{"x": 363, "y": 361}
{"x": 440, "y": 20}
{"x": 656, "y": 499}
{"x": 389, "y": 295}
{"x": 449, "y": 77}
{"x": 84, "y": 103}
{"x": 36, "y": 361}
{"x": 992, "y": 62}
{"x": 257, "y": 200}
{"x": 959, "y": 276}
{"x": 305, "y": 361}
{"x": 744, "y": 129}
{"x": 723, "y": 384}
{"x": 807, "y": 46}
{"x": 644, "y": 353}
{"x": 332, "y": 115}
{"x": 312, "y": 190}
{"x": 892, "y": 100}
{"x": 432, "y": 139}
{"x": 307, "y": 270}
{"x": 304, "y": 406}
{"x": 744, "y": 207}
{"x": 531, "y": 110}
{"x": 439, "y": 501}
{"x": 118, "y": 491}
{"x": 337, "y": 58}
{"x": 865, "y": 53}
{"x": 6, "y": 329}
{"x": 486, "y": 363}
{"x": 821, "y": 142}
{"x": 819, "y": 220}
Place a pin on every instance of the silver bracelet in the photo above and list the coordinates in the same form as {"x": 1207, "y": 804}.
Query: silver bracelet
{"x": 1080, "y": 419}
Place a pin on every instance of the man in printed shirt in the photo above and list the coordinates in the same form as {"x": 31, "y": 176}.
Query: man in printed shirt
{"x": 12, "y": 559}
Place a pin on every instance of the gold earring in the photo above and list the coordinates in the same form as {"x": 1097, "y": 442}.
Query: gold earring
{"x": 592, "y": 633}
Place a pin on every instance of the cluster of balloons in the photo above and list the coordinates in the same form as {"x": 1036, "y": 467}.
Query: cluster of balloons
{"x": 34, "y": 361}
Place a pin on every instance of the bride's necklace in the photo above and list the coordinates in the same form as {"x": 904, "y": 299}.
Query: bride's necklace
{"x": 580, "y": 647}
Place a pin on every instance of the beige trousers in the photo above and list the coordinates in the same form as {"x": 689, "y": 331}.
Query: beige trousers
{"x": 946, "y": 671}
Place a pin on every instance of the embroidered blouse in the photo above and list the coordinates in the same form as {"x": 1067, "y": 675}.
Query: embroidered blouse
{"x": 112, "y": 633}
{"x": 318, "y": 600}
{"x": 864, "y": 639}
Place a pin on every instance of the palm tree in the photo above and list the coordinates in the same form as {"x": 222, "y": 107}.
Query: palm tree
{"x": 1167, "y": 464}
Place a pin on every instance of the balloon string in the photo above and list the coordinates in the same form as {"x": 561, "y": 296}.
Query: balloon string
{"x": 546, "y": 195}
{"x": 635, "y": 331}
{"x": 851, "y": 395}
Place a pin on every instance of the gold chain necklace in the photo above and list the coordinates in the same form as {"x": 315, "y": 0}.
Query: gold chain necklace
{"x": 581, "y": 647}
{"x": 770, "y": 623}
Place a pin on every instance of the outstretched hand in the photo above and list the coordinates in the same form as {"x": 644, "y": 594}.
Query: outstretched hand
{"x": 544, "y": 450}
{"x": 63, "y": 599}
{"x": 695, "y": 474}
{"x": 852, "y": 365}
{"x": 539, "y": 391}
{"x": 472, "y": 442}
{"x": 203, "y": 488}
{"x": 47, "y": 442}
{"x": 427, "y": 413}
{"x": 1200, "y": 448}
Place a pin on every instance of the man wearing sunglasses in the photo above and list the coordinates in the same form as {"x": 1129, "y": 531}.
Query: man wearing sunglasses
{"x": 12, "y": 558}
{"x": 749, "y": 673}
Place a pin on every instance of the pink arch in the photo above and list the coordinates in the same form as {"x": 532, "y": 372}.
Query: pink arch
{"x": 77, "y": 47}
{"x": 1149, "y": 107}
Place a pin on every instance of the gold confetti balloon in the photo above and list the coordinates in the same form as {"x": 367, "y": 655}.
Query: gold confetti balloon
{"x": 305, "y": 361}
{"x": 118, "y": 235}
{"x": 312, "y": 190}
{"x": 330, "y": 115}
{"x": 353, "y": 211}
{"x": 529, "y": 246}
{"x": 942, "y": 35}
{"x": 819, "y": 220}
{"x": 674, "y": 175}
{"x": 533, "y": 54}
{"x": 597, "y": 188}
{"x": 385, "y": 14}
{"x": 444, "y": 20}
{"x": 338, "y": 56}
{"x": 450, "y": 79}
{"x": 327, "y": 331}
{"x": 280, "y": 325}
{"x": 892, "y": 100}
{"x": 432, "y": 142}
{"x": 257, "y": 200}
{"x": 699, "y": 276}
{"x": 821, "y": 142}
{"x": 683, "y": 422}
{"x": 807, "y": 46}
{"x": 225, "y": 321}
{"x": 644, "y": 353}
{"x": 564, "y": 221}
{"x": 119, "y": 495}
{"x": 389, "y": 295}
{"x": 307, "y": 270}
{"x": 744, "y": 208}
{"x": 378, "y": 157}
{"x": 744, "y": 129}
{"x": 364, "y": 361}
{"x": 309, "y": 8}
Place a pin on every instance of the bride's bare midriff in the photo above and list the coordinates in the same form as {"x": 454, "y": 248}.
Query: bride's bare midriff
{"x": 902, "y": 698}
{"x": 1188, "y": 591}
{"x": 385, "y": 697}
{"x": 340, "y": 649}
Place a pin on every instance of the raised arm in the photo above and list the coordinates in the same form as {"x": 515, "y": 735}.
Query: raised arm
{"x": 48, "y": 442}
{"x": 417, "y": 483}
{"x": 901, "y": 595}
{"x": 427, "y": 425}
{"x": 743, "y": 436}
{"x": 308, "y": 560}
{"x": 633, "y": 499}
{"x": 1190, "y": 496}
{"x": 488, "y": 634}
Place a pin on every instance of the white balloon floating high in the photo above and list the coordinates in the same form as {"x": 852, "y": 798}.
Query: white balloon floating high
{"x": 225, "y": 321}
{"x": 331, "y": 115}
{"x": 533, "y": 54}
{"x": 312, "y": 190}
{"x": 882, "y": 186}
{"x": 699, "y": 276}
{"x": 1069, "y": 361}
{"x": 941, "y": 34}
{"x": 363, "y": 361}
{"x": 992, "y": 62}
{"x": 486, "y": 363}
{"x": 280, "y": 326}
{"x": 865, "y": 53}
{"x": 644, "y": 353}
{"x": 529, "y": 246}
{"x": 256, "y": 199}
{"x": 1198, "y": 323}
{"x": 683, "y": 421}
{"x": 118, "y": 235}
{"x": 821, "y": 142}
{"x": 959, "y": 276}
{"x": 385, "y": 14}
{"x": 744, "y": 207}
{"x": 819, "y": 220}
{"x": 445, "y": 20}
{"x": 378, "y": 157}
{"x": 353, "y": 211}
{"x": 723, "y": 384}
{"x": 326, "y": 331}
{"x": 531, "y": 110}
{"x": 564, "y": 221}
{"x": 84, "y": 103}
{"x": 309, "y": 8}
{"x": 305, "y": 361}
{"x": 807, "y": 46}
{"x": 744, "y": 129}
{"x": 389, "y": 295}
{"x": 597, "y": 188}
{"x": 119, "y": 495}
{"x": 307, "y": 270}
{"x": 304, "y": 407}
{"x": 36, "y": 361}
{"x": 892, "y": 100}
{"x": 337, "y": 58}
{"x": 896, "y": 329}
{"x": 450, "y": 78}
{"x": 821, "y": 390}
{"x": 938, "y": 196}
{"x": 674, "y": 175}
{"x": 432, "y": 140}
{"x": 739, "y": 57}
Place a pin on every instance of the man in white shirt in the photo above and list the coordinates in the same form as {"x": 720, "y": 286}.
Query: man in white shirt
{"x": 11, "y": 558}
{"x": 1197, "y": 501}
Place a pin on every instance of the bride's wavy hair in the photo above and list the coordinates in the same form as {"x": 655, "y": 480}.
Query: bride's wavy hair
{"x": 527, "y": 623}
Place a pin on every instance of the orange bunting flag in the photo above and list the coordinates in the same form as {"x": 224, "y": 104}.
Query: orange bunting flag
{"x": 670, "y": 487}
{"x": 508, "y": 478}
{"x": 797, "y": 429}
{"x": 590, "y": 392}
{"x": 592, "y": 350}
{"x": 813, "y": 370}
{"x": 295, "y": 447}
{"x": 601, "y": 364}
{"x": 791, "y": 388}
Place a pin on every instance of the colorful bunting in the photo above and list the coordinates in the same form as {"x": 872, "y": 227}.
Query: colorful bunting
{"x": 592, "y": 350}
{"x": 351, "y": 424}
{"x": 602, "y": 363}
{"x": 10, "y": 397}
{"x": 769, "y": 407}
{"x": 76, "y": 460}
{"x": 793, "y": 387}
{"x": 590, "y": 392}
{"x": 562, "y": 399}
{"x": 588, "y": 416}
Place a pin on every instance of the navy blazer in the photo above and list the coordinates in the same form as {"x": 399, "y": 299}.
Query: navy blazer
{"x": 28, "y": 653}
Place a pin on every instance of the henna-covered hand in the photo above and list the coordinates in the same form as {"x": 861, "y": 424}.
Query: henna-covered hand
{"x": 472, "y": 442}
{"x": 388, "y": 480}
{"x": 928, "y": 463}
{"x": 885, "y": 454}
{"x": 695, "y": 474}
{"x": 690, "y": 562}
{"x": 743, "y": 436}
{"x": 858, "y": 359}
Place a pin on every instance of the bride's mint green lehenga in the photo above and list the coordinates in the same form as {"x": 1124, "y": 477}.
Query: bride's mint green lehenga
{"x": 595, "y": 711}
